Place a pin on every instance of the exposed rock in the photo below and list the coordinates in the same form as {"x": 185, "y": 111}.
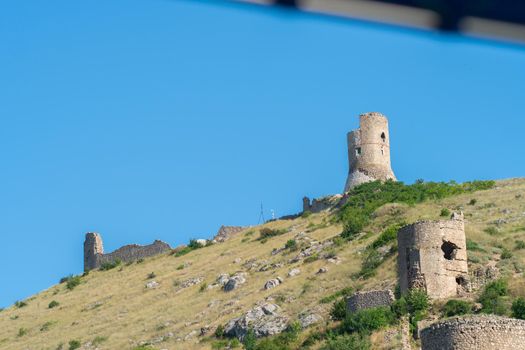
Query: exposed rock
{"x": 152, "y": 284}
{"x": 235, "y": 281}
{"x": 191, "y": 282}
{"x": 222, "y": 279}
{"x": 202, "y": 242}
{"x": 369, "y": 299}
{"x": 226, "y": 232}
{"x": 274, "y": 282}
{"x": 323, "y": 269}
{"x": 268, "y": 267}
{"x": 293, "y": 272}
{"x": 335, "y": 260}
{"x": 264, "y": 320}
{"x": 308, "y": 319}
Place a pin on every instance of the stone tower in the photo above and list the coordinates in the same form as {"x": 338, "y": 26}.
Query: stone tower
{"x": 93, "y": 248}
{"x": 432, "y": 255}
{"x": 369, "y": 151}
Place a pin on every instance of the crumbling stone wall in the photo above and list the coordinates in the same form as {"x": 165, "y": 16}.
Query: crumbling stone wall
{"x": 475, "y": 333}
{"x": 318, "y": 205}
{"x": 432, "y": 255}
{"x": 94, "y": 255}
{"x": 369, "y": 151}
{"x": 369, "y": 299}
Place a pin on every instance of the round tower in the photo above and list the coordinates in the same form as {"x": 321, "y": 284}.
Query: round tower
{"x": 369, "y": 151}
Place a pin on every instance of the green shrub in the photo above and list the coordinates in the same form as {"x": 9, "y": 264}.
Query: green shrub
{"x": 473, "y": 201}
{"x": 444, "y": 212}
{"x": 291, "y": 244}
{"x": 20, "y": 304}
{"x": 338, "y": 241}
{"x": 99, "y": 340}
{"x": 491, "y": 298}
{"x": 312, "y": 258}
{"x": 110, "y": 265}
{"x": 180, "y": 267}
{"x": 219, "y": 331}
{"x": 53, "y": 304}
{"x": 400, "y": 307}
{"x": 249, "y": 341}
{"x": 22, "y": 332}
{"x": 343, "y": 292}
{"x": 306, "y": 214}
{"x": 520, "y": 245}
{"x": 144, "y": 347}
{"x": 388, "y": 236}
{"x": 456, "y": 307}
{"x": 151, "y": 275}
{"x": 364, "y": 199}
{"x": 474, "y": 246}
{"x": 194, "y": 244}
{"x": 506, "y": 253}
{"x": 203, "y": 287}
{"x": 368, "y": 320}
{"x": 45, "y": 327}
{"x": 74, "y": 344}
{"x": 267, "y": 232}
{"x": 73, "y": 282}
{"x": 338, "y": 311}
{"x": 518, "y": 308}
{"x": 491, "y": 230}
{"x": 369, "y": 265}
{"x": 417, "y": 301}
{"x": 347, "y": 342}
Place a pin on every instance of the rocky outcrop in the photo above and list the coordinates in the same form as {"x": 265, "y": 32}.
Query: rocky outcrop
{"x": 263, "y": 320}
{"x": 235, "y": 281}
{"x": 274, "y": 282}
{"x": 226, "y": 232}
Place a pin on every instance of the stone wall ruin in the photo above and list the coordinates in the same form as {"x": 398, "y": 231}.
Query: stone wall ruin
{"x": 94, "y": 255}
{"x": 475, "y": 333}
{"x": 369, "y": 299}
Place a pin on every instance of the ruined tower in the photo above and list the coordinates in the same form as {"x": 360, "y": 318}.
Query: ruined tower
{"x": 369, "y": 151}
{"x": 432, "y": 255}
{"x": 92, "y": 249}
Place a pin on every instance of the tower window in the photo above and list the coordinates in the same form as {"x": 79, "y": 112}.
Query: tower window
{"x": 382, "y": 152}
{"x": 383, "y": 137}
{"x": 449, "y": 250}
{"x": 358, "y": 151}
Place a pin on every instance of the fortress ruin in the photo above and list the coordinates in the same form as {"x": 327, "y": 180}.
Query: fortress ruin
{"x": 94, "y": 255}
{"x": 474, "y": 333}
{"x": 369, "y": 151}
{"x": 432, "y": 256}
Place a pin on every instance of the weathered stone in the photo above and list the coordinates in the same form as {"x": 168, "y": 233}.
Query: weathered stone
{"x": 235, "y": 281}
{"x": 369, "y": 151}
{"x": 191, "y": 282}
{"x": 294, "y": 272}
{"x": 323, "y": 269}
{"x": 474, "y": 333}
{"x": 369, "y": 299}
{"x": 226, "y": 232}
{"x": 274, "y": 282}
{"x": 222, "y": 279}
{"x": 308, "y": 319}
{"x": 264, "y": 320}
{"x": 94, "y": 255}
{"x": 432, "y": 255}
{"x": 152, "y": 284}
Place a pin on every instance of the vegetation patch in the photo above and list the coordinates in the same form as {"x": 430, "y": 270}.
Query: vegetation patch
{"x": 364, "y": 199}
{"x": 492, "y": 298}
{"x": 53, "y": 304}
{"x": 266, "y": 233}
{"x": 110, "y": 265}
{"x": 456, "y": 307}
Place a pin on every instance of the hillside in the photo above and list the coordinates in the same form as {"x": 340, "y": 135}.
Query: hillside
{"x": 114, "y": 309}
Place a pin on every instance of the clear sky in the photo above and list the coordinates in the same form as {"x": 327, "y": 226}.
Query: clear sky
{"x": 150, "y": 119}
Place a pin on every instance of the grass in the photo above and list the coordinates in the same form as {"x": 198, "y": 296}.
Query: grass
{"x": 130, "y": 314}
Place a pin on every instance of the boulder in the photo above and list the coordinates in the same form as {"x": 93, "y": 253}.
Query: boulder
{"x": 152, "y": 284}
{"x": 274, "y": 282}
{"x": 264, "y": 320}
{"x": 235, "y": 281}
{"x": 293, "y": 272}
{"x": 308, "y": 319}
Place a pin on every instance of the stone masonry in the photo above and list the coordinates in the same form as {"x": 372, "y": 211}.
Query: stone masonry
{"x": 370, "y": 299}
{"x": 432, "y": 255}
{"x": 94, "y": 255}
{"x": 475, "y": 333}
{"x": 369, "y": 151}
{"x": 226, "y": 232}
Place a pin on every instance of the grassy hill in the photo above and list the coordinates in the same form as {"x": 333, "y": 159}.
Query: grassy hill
{"x": 113, "y": 309}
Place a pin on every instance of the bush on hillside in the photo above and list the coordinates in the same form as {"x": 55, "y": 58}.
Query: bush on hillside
{"x": 368, "y": 320}
{"x": 110, "y": 265}
{"x": 347, "y": 342}
{"x": 518, "y": 308}
{"x": 53, "y": 304}
{"x": 444, "y": 212}
{"x": 267, "y": 232}
{"x": 491, "y": 298}
{"x": 364, "y": 199}
{"x": 456, "y": 307}
{"x": 338, "y": 310}
{"x": 73, "y": 282}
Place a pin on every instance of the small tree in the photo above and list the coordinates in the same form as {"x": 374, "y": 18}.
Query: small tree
{"x": 518, "y": 308}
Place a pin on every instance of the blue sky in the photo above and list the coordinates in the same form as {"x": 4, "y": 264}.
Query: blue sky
{"x": 148, "y": 120}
